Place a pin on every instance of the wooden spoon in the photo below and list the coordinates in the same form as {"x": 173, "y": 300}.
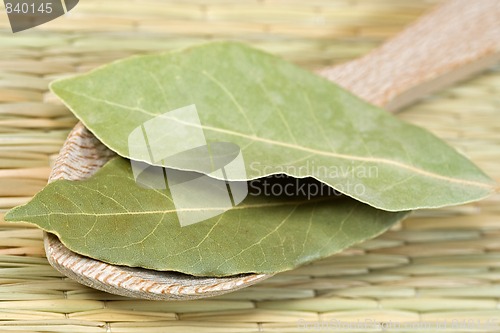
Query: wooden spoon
{"x": 454, "y": 41}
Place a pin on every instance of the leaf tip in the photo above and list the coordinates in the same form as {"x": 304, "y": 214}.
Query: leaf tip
{"x": 54, "y": 86}
{"x": 11, "y": 215}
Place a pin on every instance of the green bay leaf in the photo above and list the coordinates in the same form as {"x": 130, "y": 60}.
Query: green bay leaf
{"x": 285, "y": 119}
{"x": 110, "y": 218}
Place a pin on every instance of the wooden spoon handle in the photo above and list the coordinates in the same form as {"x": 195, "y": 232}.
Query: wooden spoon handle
{"x": 456, "y": 40}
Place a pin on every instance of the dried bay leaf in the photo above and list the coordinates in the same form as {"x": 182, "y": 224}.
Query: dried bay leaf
{"x": 285, "y": 119}
{"x": 110, "y": 218}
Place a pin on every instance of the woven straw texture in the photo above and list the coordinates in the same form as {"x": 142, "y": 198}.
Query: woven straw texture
{"x": 437, "y": 265}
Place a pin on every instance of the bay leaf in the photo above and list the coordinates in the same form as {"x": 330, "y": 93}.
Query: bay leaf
{"x": 285, "y": 119}
{"x": 110, "y": 218}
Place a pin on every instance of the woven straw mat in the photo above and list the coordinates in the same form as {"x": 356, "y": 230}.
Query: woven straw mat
{"x": 437, "y": 265}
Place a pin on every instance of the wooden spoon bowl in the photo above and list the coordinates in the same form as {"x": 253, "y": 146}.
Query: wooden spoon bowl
{"x": 81, "y": 156}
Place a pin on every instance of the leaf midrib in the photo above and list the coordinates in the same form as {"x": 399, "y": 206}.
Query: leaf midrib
{"x": 397, "y": 164}
{"x": 170, "y": 211}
